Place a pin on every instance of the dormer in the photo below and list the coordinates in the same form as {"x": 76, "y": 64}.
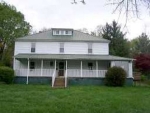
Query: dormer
{"x": 61, "y": 31}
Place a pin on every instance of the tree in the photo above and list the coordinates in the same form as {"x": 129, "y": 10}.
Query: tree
{"x": 142, "y": 62}
{"x": 12, "y": 26}
{"x": 84, "y": 30}
{"x": 140, "y": 45}
{"x": 118, "y": 44}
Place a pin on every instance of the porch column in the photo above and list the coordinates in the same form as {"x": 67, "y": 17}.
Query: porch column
{"x": 112, "y": 64}
{"x": 81, "y": 68}
{"x": 14, "y": 64}
{"x": 42, "y": 67}
{"x": 97, "y": 68}
{"x": 130, "y": 69}
{"x": 28, "y": 70}
{"x": 66, "y": 68}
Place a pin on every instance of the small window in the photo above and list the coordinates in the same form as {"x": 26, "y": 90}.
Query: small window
{"x": 89, "y": 47}
{"x": 61, "y": 47}
{"x": 32, "y": 65}
{"x": 51, "y": 64}
{"x": 32, "y": 47}
{"x": 90, "y": 66}
{"x": 66, "y": 32}
{"x": 57, "y": 32}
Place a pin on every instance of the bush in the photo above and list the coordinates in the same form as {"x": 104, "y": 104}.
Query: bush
{"x": 6, "y": 74}
{"x": 115, "y": 76}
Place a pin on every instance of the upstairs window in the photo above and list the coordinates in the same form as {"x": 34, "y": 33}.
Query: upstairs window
{"x": 32, "y": 47}
{"x": 66, "y": 32}
{"x": 61, "y": 48}
{"x": 90, "y": 48}
{"x": 90, "y": 66}
{"x": 32, "y": 65}
{"x": 57, "y": 32}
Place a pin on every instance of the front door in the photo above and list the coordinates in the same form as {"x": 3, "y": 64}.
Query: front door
{"x": 61, "y": 69}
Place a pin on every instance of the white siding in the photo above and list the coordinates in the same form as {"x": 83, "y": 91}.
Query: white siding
{"x": 100, "y": 48}
{"x": 75, "y": 48}
{"x": 69, "y": 48}
{"x": 22, "y": 47}
{"x": 47, "y": 47}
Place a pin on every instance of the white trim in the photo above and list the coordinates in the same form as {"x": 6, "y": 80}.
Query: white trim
{"x": 42, "y": 67}
{"x": 97, "y": 68}
{"x": 81, "y": 68}
{"x": 130, "y": 69}
{"x": 28, "y": 71}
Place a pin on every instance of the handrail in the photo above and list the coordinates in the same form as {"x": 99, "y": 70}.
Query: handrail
{"x": 53, "y": 78}
{"x": 66, "y": 78}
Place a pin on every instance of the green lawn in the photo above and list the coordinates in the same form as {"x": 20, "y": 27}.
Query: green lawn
{"x": 75, "y": 99}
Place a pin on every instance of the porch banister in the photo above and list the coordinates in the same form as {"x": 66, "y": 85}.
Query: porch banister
{"x": 42, "y": 67}
{"x": 28, "y": 70}
{"x": 97, "y": 68}
{"x": 81, "y": 68}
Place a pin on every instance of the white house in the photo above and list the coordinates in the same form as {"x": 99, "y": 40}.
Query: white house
{"x": 66, "y": 54}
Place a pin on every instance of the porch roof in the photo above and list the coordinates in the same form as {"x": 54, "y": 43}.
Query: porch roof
{"x": 71, "y": 57}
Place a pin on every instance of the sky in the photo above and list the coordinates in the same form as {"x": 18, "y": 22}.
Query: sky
{"x": 63, "y": 14}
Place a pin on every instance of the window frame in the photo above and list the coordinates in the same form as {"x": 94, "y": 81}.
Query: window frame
{"x": 61, "y": 48}
{"x": 90, "y": 49}
{"x": 33, "y": 46}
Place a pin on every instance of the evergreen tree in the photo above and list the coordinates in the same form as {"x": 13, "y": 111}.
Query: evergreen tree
{"x": 118, "y": 46}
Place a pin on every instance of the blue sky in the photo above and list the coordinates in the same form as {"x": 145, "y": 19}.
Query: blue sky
{"x": 62, "y": 14}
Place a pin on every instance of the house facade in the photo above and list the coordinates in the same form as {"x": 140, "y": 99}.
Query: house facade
{"x": 76, "y": 57}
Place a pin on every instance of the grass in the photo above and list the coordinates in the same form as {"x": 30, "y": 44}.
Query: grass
{"x": 75, "y": 99}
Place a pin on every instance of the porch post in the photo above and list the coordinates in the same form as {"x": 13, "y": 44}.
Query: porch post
{"x": 28, "y": 70}
{"x": 66, "y": 67}
{"x": 112, "y": 64}
{"x": 97, "y": 68}
{"x": 81, "y": 68}
{"x": 42, "y": 67}
{"x": 14, "y": 65}
{"x": 130, "y": 69}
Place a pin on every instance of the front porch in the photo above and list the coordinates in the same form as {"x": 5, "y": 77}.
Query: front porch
{"x": 68, "y": 69}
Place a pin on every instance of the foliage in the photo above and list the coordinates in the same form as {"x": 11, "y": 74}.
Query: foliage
{"x": 119, "y": 46}
{"x": 140, "y": 45}
{"x": 115, "y": 76}
{"x": 12, "y": 26}
{"x": 142, "y": 63}
{"x": 6, "y": 74}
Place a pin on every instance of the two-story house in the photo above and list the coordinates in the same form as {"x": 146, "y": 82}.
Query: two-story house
{"x": 66, "y": 54}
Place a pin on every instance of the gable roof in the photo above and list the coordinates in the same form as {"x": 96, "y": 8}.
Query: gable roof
{"x": 47, "y": 36}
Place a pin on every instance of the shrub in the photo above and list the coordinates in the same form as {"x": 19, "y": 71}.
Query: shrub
{"x": 115, "y": 76}
{"x": 6, "y": 74}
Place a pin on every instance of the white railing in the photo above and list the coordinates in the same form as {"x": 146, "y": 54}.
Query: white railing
{"x": 73, "y": 72}
{"x": 53, "y": 78}
{"x": 89, "y": 73}
{"x": 85, "y": 73}
{"x": 101, "y": 73}
{"x": 34, "y": 72}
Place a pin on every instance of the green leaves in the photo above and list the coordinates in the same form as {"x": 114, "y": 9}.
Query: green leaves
{"x": 12, "y": 26}
{"x": 119, "y": 45}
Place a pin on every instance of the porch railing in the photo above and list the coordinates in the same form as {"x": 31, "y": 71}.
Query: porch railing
{"x": 85, "y": 73}
{"x": 34, "y": 72}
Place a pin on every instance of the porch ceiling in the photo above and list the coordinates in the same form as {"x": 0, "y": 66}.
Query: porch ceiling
{"x": 71, "y": 57}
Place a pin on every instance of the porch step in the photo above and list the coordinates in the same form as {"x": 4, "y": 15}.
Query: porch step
{"x": 59, "y": 82}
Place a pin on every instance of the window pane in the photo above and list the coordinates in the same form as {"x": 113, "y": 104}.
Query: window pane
{"x": 89, "y": 45}
{"x": 89, "y": 50}
{"x": 33, "y": 47}
{"x": 61, "y": 50}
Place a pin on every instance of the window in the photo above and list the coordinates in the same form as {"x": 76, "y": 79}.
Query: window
{"x": 32, "y": 47}
{"x": 61, "y": 47}
{"x": 57, "y": 32}
{"x": 32, "y": 65}
{"x": 89, "y": 47}
{"x": 51, "y": 64}
{"x": 90, "y": 66}
{"x": 66, "y": 32}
